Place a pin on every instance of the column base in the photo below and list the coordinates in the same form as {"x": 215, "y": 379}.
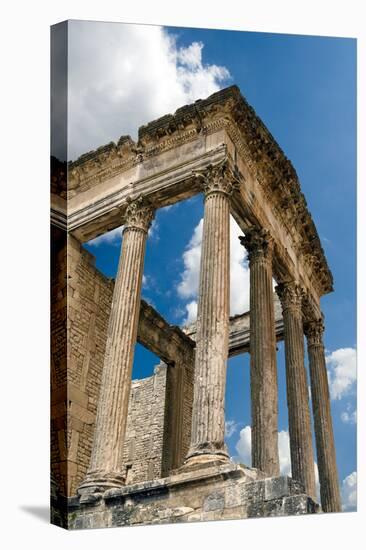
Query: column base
{"x": 96, "y": 483}
{"x": 205, "y": 456}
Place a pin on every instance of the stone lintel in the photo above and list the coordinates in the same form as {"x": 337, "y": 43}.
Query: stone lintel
{"x": 164, "y": 187}
{"x": 168, "y": 342}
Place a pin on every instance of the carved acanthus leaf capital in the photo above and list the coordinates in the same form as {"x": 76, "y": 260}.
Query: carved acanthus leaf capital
{"x": 218, "y": 178}
{"x": 139, "y": 213}
{"x": 258, "y": 242}
{"x": 290, "y": 295}
{"x": 314, "y": 330}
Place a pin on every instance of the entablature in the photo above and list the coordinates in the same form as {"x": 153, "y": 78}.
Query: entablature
{"x": 161, "y": 165}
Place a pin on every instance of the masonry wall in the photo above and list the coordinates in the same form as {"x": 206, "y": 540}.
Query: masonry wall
{"x": 89, "y": 303}
{"x": 157, "y": 403}
{"x": 145, "y": 427}
{"x": 58, "y": 358}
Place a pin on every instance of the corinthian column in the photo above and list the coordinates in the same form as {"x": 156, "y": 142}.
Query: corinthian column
{"x": 301, "y": 446}
{"x": 106, "y": 459}
{"x": 263, "y": 368}
{"x": 208, "y": 415}
{"x": 328, "y": 476}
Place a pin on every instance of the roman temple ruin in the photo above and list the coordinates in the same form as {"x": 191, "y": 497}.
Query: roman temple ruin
{"x": 153, "y": 450}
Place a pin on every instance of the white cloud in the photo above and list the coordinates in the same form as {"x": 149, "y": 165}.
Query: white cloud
{"x": 239, "y": 272}
{"x": 244, "y": 446}
{"x": 349, "y": 493}
{"x": 284, "y": 452}
{"x": 123, "y": 75}
{"x": 342, "y": 372}
{"x": 192, "y": 56}
{"x": 153, "y": 230}
{"x": 113, "y": 237}
{"x": 349, "y": 416}
{"x": 230, "y": 427}
{"x": 191, "y": 310}
{"x": 188, "y": 286}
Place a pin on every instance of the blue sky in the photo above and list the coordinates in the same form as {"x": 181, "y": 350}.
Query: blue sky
{"x": 304, "y": 89}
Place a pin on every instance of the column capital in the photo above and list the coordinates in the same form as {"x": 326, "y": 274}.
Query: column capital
{"x": 218, "y": 178}
{"x": 139, "y": 213}
{"x": 258, "y": 242}
{"x": 314, "y": 330}
{"x": 290, "y": 295}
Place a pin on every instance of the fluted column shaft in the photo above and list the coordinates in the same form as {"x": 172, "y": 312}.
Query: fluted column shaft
{"x": 301, "y": 447}
{"x": 263, "y": 367}
{"x": 326, "y": 456}
{"x": 208, "y": 415}
{"x": 106, "y": 459}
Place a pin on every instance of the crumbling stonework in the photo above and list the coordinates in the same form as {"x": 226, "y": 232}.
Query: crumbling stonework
{"x": 219, "y": 492}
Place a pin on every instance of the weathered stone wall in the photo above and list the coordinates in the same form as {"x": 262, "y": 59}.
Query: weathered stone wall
{"x": 89, "y": 302}
{"x": 58, "y": 358}
{"x": 145, "y": 427}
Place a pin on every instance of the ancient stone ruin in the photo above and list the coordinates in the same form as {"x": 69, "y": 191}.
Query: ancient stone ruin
{"x": 153, "y": 451}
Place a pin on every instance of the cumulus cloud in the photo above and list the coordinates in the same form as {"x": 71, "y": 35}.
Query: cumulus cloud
{"x": 342, "y": 372}
{"x": 349, "y": 416}
{"x": 244, "y": 446}
{"x": 284, "y": 452}
{"x": 230, "y": 428}
{"x": 349, "y": 493}
{"x": 188, "y": 286}
{"x": 113, "y": 237}
{"x": 123, "y": 75}
{"x": 239, "y": 272}
{"x": 191, "y": 311}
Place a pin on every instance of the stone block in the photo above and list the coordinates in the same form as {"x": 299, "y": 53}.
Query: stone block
{"x": 276, "y": 487}
{"x": 214, "y": 501}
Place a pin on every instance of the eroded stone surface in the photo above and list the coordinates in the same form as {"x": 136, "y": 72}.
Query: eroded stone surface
{"x": 221, "y": 492}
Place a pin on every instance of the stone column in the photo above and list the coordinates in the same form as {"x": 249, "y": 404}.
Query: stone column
{"x": 301, "y": 447}
{"x": 328, "y": 476}
{"x": 208, "y": 415}
{"x": 263, "y": 368}
{"x": 105, "y": 468}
